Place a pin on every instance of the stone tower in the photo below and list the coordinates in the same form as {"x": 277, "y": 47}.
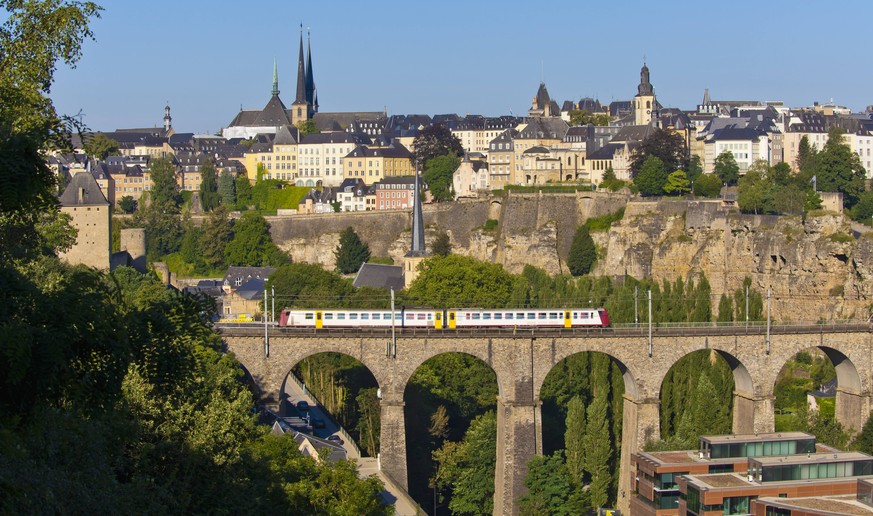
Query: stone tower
{"x": 83, "y": 201}
{"x": 644, "y": 101}
{"x": 133, "y": 240}
{"x": 306, "y": 101}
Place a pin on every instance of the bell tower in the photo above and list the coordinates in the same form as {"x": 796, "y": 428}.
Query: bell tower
{"x": 644, "y": 101}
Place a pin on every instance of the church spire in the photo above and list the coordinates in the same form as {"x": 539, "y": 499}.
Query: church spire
{"x": 301, "y": 74}
{"x": 275, "y": 79}
{"x": 417, "y": 248}
{"x": 310, "y": 80}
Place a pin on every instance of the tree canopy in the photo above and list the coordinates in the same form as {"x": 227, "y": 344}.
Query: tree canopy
{"x": 100, "y": 146}
{"x": 436, "y": 140}
{"x": 582, "y": 252}
{"x": 209, "y": 196}
{"x": 652, "y": 177}
{"x": 438, "y": 176}
{"x": 252, "y": 245}
{"x": 351, "y": 252}
{"x": 726, "y": 168}
{"x": 666, "y": 146}
{"x": 457, "y": 280}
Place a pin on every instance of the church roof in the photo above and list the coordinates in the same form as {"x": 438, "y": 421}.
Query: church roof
{"x": 83, "y": 190}
{"x": 285, "y": 135}
{"x": 273, "y": 114}
{"x": 379, "y": 276}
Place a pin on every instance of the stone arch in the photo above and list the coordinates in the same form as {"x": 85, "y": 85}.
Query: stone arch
{"x": 402, "y": 378}
{"x": 372, "y": 369}
{"x": 850, "y": 403}
{"x": 631, "y": 387}
{"x": 494, "y": 209}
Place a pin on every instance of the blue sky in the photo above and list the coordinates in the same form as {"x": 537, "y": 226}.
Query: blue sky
{"x": 485, "y": 57}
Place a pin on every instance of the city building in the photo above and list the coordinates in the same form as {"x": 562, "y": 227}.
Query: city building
{"x": 91, "y": 216}
{"x": 395, "y": 193}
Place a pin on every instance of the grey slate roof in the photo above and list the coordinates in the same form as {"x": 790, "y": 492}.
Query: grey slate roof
{"x": 286, "y": 135}
{"x": 273, "y": 114}
{"x": 606, "y": 152}
{"x": 83, "y": 190}
{"x": 379, "y": 276}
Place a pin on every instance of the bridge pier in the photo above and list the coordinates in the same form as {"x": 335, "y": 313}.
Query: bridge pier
{"x": 641, "y": 423}
{"x": 851, "y": 410}
{"x": 392, "y": 441}
{"x": 519, "y": 438}
{"x": 753, "y": 414}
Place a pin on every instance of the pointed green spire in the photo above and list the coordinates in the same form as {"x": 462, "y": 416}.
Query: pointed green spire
{"x": 275, "y": 78}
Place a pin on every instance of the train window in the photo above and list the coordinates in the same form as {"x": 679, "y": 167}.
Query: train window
{"x": 541, "y": 315}
{"x": 553, "y": 315}
{"x": 476, "y": 317}
{"x": 410, "y": 317}
{"x": 486, "y": 316}
{"x": 531, "y": 315}
{"x": 365, "y": 317}
{"x": 353, "y": 317}
{"x": 430, "y": 317}
{"x": 308, "y": 316}
{"x": 498, "y": 316}
{"x": 509, "y": 316}
{"x": 328, "y": 316}
{"x": 421, "y": 317}
{"x": 584, "y": 315}
{"x": 376, "y": 317}
{"x": 341, "y": 317}
{"x": 467, "y": 316}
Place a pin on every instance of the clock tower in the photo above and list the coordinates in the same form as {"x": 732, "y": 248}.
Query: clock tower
{"x": 644, "y": 101}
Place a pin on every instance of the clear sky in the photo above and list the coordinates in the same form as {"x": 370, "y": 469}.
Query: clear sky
{"x": 207, "y": 58}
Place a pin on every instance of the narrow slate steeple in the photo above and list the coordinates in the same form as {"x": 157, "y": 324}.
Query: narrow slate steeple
{"x": 275, "y": 79}
{"x": 301, "y": 74}
{"x": 310, "y": 80}
{"x": 417, "y": 248}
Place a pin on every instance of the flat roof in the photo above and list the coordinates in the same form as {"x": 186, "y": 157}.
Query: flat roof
{"x": 824, "y": 505}
{"x": 811, "y": 458}
{"x": 740, "y": 480}
{"x": 752, "y": 438}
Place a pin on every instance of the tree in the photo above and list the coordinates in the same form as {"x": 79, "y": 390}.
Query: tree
{"x": 209, "y": 197}
{"x": 652, "y": 176}
{"x": 468, "y": 467}
{"x": 434, "y": 141}
{"x": 805, "y": 155}
{"x": 438, "y": 176}
{"x": 707, "y": 185}
{"x": 863, "y": 209}
{"x": 611, "y": 182}
{"x": 126, "y": 204}
{"x": 864, "y": 441}
{"x": 307, "y": 127}
{"x": 677, "y": 183}
{"x": 165, "y": 190}
{"x": 227, "y": 189}
{"x": 351, "y": 252}
{"x": 217, "y": 233}
{"x": 726, "y": 168}
{"x": 582, "y": 252}
{"x": 99, "y": 146}
{"x": 442, "y": 245}
{"x": 243, "y": 191}
{"x": 838, "y": 169}
{"x": 550, "y": 490}
{"x": 695, "y": 168}
{"x": 598, "y": 451}
{"x": 252, "y": 244}
{"x": 574, "y": 440}
{"x": 753, "y": 192}
{"x": 461, "y": 281}
{"x": 582, "y": 117}
{"x": 664, "y": 145}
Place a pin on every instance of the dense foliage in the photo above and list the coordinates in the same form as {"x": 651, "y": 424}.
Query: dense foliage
{"x": 351, "y": 252}
{"x": 438, "y": 176}
{"x": 436, "y": 140}
{"x": 667, "y": 146}
{"x": 582, "y": 252}
{"x": 775, "y": 190}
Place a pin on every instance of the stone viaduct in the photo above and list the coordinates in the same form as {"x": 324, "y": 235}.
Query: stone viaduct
{"x": 522, "y": 360}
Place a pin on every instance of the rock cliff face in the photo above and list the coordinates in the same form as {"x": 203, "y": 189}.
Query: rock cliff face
{"x": 815, "y": 269}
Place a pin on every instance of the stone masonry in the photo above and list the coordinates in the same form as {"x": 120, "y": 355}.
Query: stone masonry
{"x": 522, "y": 361}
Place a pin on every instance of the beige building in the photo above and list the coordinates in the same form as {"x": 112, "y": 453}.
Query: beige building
{"x": 372, "y": 164}
{"x": 471, "y": 178}
{"x": 278, "y": 157}
{"x": 85, "y": 203}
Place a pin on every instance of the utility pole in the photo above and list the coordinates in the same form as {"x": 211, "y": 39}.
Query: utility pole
{"x": 747, "y": 305}
{"x": 266, "y": 328}
{"x": 392, "y": 347}
{"x": 636, "y": 305}
{"x": 650, "y": 322}
{"x": 273, "y": 299}
{"x": 768, "y": 321}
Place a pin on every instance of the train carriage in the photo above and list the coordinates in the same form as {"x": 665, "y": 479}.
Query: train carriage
{"x": 450, "y": 318}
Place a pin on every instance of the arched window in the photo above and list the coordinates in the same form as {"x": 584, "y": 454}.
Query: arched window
{"x": 648, "y": 104}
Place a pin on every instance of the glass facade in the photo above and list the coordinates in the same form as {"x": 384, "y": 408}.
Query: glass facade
{"x": 812, "y": 471}
{"x": 759, "y": 449}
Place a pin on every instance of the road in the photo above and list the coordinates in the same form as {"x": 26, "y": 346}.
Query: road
{"x": 404, "y": 505}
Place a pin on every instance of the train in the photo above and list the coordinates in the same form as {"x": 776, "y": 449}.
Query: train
{"x": 446, "y": 319}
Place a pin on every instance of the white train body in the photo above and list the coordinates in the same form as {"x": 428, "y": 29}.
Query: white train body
{"x": 446, "y": 319}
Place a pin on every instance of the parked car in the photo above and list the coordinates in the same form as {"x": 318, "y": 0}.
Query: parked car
{"x": 303, "y": 406}
{"x": 335, "y": 439}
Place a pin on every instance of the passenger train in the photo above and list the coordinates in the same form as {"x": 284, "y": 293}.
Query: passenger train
{"x": 447, "y": 319}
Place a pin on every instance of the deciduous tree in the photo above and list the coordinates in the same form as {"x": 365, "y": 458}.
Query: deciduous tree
{"x": 438, "y": 176}
{"x": 664, "y": 145}
{"x": 677, "y": 183}
{"x": 434, "y": 141}
{"x": 652, "y": 176}
{"x": 442, "y": 245}
{"x": 252, "y": 245}
{"x": 209, "y": 197}
{"x": 99, "y": 146}
{"x": 726, "y": 168}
